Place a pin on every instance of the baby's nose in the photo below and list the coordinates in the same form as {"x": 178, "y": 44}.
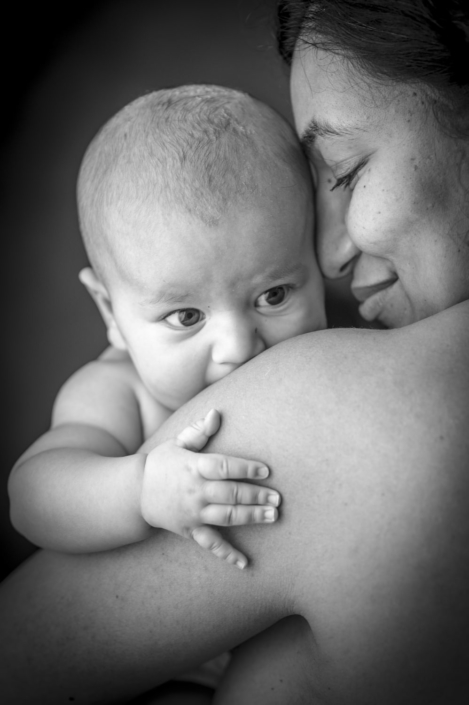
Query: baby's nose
{"x": 238, "y": 340}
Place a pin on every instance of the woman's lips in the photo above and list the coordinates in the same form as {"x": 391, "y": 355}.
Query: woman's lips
{"x": 372, "y": 297}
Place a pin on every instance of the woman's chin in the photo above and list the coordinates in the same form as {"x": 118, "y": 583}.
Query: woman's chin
{"x": 388, "y": 308}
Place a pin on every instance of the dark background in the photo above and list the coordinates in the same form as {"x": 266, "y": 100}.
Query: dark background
{"x": 66, "y": 70}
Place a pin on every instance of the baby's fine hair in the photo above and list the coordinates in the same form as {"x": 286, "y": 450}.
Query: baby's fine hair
{"x": 195, "y": 149}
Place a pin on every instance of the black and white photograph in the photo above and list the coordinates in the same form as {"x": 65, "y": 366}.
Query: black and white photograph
{"x": 236, "y": 459}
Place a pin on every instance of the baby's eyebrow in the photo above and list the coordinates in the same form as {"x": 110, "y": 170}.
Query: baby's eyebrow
{"x": 283, "y": 271}
{"x": 165, "y": 297}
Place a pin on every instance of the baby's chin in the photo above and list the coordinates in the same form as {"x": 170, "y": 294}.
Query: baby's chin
{"x": 172, "y": 402}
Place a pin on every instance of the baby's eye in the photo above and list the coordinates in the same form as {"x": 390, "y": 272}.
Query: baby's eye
{"x": 274, "y": 296}
{"x": 184, "y": 317}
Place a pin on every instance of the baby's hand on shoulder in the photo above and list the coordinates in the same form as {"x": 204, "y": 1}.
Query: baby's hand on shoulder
{"x": 184, "y": 491}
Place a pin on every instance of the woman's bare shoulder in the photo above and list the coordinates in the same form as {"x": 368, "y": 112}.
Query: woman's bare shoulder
{"x": 353, "y": 399}
{"x": 371, "y": 374}
{"x": 428, "y": 359}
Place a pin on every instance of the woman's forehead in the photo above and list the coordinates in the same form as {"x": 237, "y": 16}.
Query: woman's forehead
{"x": 329, "y": 94}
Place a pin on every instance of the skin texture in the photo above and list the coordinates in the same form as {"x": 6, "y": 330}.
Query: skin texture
{"x": 218, "y": 278}
{"x": 399, "y": 223}
{"x": 405, "y": 215}
{"x": 357, "y": 552}
{"x": 189, "y": 305}
{"x": 365, "y": 433}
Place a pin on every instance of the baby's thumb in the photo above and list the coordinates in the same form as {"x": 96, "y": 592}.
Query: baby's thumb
{"x": 195, "y": 436}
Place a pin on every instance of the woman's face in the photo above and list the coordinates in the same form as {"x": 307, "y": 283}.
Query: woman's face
{"x": 392, "y": 190}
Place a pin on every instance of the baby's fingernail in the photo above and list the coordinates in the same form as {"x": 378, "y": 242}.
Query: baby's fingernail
{"x": 270, "y": 514}
{"x": 262, "y": 471}
{"x": 241, "y": 564}
{"x": 273, "y": 499}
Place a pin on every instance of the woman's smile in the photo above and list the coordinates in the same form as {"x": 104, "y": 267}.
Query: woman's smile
{"x": 373, "y": 297}
{"x": 400, "y": 222}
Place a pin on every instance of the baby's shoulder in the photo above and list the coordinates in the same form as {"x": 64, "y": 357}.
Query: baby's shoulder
{"x": 103, "y": 394}
{"x": 109, "y": 393}
{"x": 116, "y": 361}
{"x": 113, "y": 370}
{"x": 152, "y": 413}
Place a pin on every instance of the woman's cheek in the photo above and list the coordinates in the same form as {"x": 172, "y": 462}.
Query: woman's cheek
{"x": 368, "y": 221}
{"x": 377, "y": 218}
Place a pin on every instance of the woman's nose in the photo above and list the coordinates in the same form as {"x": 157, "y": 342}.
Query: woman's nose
{"x": 237, "y": 341}
{"x": 336, "y": 251}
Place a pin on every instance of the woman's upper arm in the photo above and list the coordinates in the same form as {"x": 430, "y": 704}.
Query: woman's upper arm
{"x": 365, "y": 433}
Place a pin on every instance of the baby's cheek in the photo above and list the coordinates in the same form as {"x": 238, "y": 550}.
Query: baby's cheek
{"x": 172, "y": 382}
{"x": 186, "y": 384}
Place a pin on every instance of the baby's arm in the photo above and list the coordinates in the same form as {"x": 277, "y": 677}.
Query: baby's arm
{"x": 76, "y": 488}
{"x": 81, "y": 487}
{"x": 183, "y": 490}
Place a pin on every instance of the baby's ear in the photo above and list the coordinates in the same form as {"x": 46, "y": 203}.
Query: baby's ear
{"x": 101, "y": 297}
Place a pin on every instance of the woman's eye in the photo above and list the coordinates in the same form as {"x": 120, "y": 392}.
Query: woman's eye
{"x": 346, "y": 181}
{"x": 184, "y": 317}
{"x": 273, "y": 297}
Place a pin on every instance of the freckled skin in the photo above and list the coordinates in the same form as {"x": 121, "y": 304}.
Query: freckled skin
{"x": 409, "y": 197}
{"x": 366, "y": 436}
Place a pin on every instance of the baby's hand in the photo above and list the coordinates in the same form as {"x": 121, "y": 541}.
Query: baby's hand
{"x": 184, "y": 490}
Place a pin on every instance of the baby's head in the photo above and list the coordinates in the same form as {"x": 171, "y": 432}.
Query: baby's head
{"x": 195, "y": 206}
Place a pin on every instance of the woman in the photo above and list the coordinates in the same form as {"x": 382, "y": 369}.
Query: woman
{"x": 365, "y": 430}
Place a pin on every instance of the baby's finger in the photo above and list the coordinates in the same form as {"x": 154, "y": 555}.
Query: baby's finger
{"x": 212, "y": 540}
{"x": 226, "y": 492}
{"x": 224, "y": 467}
{"x": 195, "y": 436}
{"x": 229, "y": 515}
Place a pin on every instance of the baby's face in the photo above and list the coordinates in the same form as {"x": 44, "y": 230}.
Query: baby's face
{"x": 199, "y": 301}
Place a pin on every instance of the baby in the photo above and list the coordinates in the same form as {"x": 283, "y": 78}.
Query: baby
{"x": 196, "y": 212}
{"x": 195, "y": 207}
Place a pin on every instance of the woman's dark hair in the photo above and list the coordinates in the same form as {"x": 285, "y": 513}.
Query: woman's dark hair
{"x": 403, "y": 41}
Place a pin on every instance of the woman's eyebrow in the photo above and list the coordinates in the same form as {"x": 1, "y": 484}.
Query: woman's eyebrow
{"x": 317, "y": 128}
